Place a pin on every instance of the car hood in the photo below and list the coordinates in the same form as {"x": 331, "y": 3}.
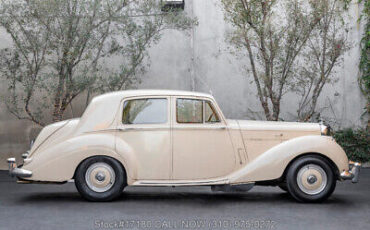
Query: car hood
{"x": 276, "y": 126}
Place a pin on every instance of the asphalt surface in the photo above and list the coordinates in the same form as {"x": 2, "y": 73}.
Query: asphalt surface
{"x": 61, "y": 207}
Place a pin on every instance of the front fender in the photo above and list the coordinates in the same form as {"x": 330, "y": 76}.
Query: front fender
{"x": 58, "y": 163}
{"x": 271, "y": 164}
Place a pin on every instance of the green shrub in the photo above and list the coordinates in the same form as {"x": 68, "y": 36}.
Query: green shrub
{"x": 356, "y": 143}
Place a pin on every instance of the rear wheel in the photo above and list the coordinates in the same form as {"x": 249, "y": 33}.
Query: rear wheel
{"x": 100, "y": 178}
{"x": 310, "y": 179}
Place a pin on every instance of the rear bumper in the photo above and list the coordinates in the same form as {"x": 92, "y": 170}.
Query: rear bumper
{"x": 18, "y": 172}
{"x": 353, "y": 173}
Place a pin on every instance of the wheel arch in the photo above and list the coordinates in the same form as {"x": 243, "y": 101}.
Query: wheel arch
{"x": 332, "y": 165}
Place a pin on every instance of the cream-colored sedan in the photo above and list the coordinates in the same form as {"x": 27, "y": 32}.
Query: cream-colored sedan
{"x": 177, "y": 138}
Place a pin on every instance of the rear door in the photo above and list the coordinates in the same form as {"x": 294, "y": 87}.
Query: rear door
{"x": 145, "y": 128}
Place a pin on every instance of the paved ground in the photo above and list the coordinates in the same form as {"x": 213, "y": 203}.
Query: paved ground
{"x": 60, "y": 207}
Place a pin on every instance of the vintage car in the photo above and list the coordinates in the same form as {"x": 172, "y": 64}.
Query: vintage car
{"x": 178, "y": 138}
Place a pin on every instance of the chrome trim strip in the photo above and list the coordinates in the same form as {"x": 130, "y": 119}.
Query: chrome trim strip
{"x": 168, "y": 128}
{"x": 203, "y": 128}
{"x": 182, "y": 183}
{"x": 143, "y": 129}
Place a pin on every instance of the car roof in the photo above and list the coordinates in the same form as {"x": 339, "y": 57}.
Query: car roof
{"x": 151, "y": 92}
{"x": 102, "y": 111}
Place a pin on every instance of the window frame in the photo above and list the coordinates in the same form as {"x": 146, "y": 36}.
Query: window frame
{"x": 146, "y": 98}
{"x": 204, "y": 101}
{"x": 189, "y": 99}
{"x": 213, "y": 110}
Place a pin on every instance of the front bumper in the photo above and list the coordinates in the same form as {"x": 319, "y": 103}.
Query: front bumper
{"x": 353, "y": 173}
{"x": 18, "y": 172}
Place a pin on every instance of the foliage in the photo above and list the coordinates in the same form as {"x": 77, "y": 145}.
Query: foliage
{"x": 365, "y": 57}
{"x": 64, "y": 48}
{"x": 356, "y": 143}
{"x": 291, "y": 51}
{"x": 325, "y": 48}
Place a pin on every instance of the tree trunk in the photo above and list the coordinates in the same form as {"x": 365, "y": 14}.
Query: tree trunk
{"x": 276, "y": 109}
{"x": 57, "y": 116}
{"x": 264, "y": 103}
{"x": 368, "y": 119}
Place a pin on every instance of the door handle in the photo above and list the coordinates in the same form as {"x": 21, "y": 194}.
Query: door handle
{"x": 126, "y": 129}
{"x": 240, "y": 153}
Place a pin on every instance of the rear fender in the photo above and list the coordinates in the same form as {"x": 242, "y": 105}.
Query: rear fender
{"x": 58, "y": 163}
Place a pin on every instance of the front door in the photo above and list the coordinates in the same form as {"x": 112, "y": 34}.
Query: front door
{"x": 202, "y": 147}
{"x": 145, "y": 130}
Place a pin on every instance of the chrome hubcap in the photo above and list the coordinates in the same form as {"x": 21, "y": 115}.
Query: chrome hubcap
{"x": 100, "y": 177}
{"x": 311, "y": 179}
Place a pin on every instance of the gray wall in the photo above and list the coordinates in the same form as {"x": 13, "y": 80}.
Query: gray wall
{"x": 198, "y": 60}
{"x": 202, "y": 62}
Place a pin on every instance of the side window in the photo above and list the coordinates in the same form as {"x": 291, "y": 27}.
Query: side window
{"x": 145, "y": 111}
{"x": 210, "y": 113}
{"x": 189, "y": 111}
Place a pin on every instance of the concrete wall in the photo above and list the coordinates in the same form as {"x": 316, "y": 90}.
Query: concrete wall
{"x": 198, "y": 60}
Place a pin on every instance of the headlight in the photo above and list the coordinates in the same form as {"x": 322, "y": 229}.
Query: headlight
{"x": 325, "y": 130}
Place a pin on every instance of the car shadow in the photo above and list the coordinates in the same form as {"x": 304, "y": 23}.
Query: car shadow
{"x": 180, "y": 198}
{"x": 220, "y": 198}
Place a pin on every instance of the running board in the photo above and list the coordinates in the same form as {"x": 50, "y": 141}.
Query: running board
{"x": 23, "y": 181}
{"x": 179, "y": 183}
{"x": 232, "y": 188}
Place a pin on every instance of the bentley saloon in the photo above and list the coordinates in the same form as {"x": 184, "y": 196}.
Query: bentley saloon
{"x": 178, "y": 138}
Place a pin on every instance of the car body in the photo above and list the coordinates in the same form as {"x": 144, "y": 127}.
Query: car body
{"x": 177, "y": 138}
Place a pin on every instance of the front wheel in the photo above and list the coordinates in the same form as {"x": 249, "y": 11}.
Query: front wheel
{"x": 283, "y": 187}
{"x": 100, "y": 178}
{"x": 310, "y": 179}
